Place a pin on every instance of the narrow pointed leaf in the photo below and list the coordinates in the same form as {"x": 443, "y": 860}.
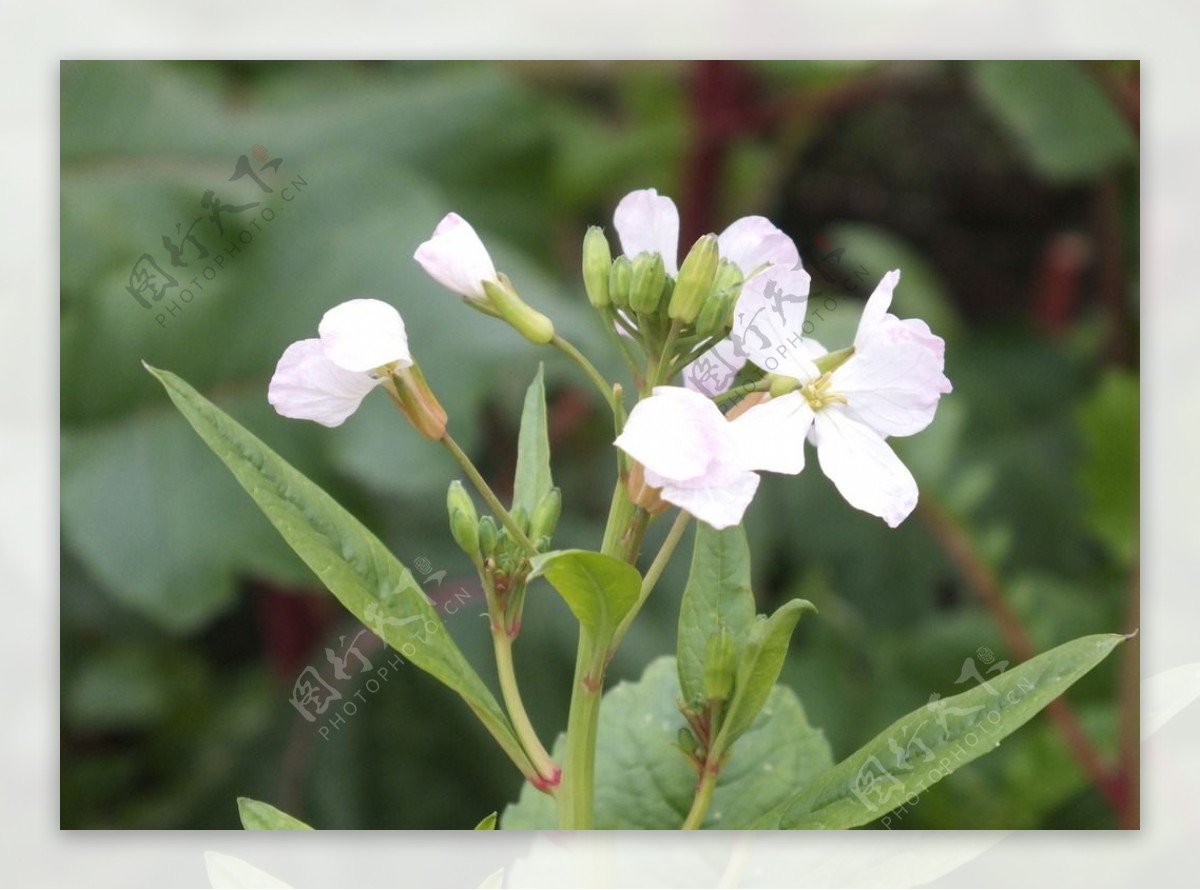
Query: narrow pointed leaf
{"x": 930, "y": 743}
{"x": 355, "y": 565}
{"x": 488, "y": 822}
{"x": 533, "y": 478}
{"x": 761, "y": 661}
{"x": 259, "y": 816}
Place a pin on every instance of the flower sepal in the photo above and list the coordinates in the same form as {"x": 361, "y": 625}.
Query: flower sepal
{"x": 414, "y": 398}
{"x": 529, "y": 323}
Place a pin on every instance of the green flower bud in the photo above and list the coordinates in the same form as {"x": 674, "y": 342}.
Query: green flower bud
{"x": 464, "y": 521}
{"x": 646, "y": 289}
{"x": 488, "y": 536}
{"x": 597, "y": 265}
{"x": 530, "y": 324}
{"x": 728, "y": 277}
{"x": 686, "y": 742}
{"x": 716, "y": 316}
{"x": 545, "y": 515}
{"x": 695, "y": 280}
{"x": 620, "y": 280}
{"x": 720, "y": 666}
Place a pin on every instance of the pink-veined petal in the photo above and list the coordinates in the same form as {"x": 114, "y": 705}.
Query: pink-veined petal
{"x": 754, "y": 242}
{"x": 676, "y": 433}
{"x": 456, "y": 259}
{"x": 308, "y": 386}
{"x": 863, "y": 467}
{"x": 770, "y": 436}
{"x": 647, "y": 222}
{"x": 359, "y": 335}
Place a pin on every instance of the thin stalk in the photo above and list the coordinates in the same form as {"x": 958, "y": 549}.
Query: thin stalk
{"x": 488, "y": 495}
{"x": 502, "y": 643}
{"x": 588, "y": 368}
{"x": 674, "y": 536}
{"x": 704, "y": 794}
{"x": 738, "y": 391}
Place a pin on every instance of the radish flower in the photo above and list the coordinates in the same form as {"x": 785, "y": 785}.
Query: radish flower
{"x": 361, "y": 343}
{"x": 456, "y": 259}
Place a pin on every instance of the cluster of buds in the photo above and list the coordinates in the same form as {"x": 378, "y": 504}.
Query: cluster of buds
{"x": 500, "y": 558}
{"x": 642, "y": 297}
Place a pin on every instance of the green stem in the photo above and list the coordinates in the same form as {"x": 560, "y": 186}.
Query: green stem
{"x": 738, "y": 391}
{"x": 576, "y": 801}
{"x": 588, "y": 368}
{"x": 488, "y": 495}
{"x": 704, "y": 794}
{"x": 526, "y": 734}
{"x": 674, "y": 536}
{"x": 668, "y": 360}
{"x": 622, "y": 344}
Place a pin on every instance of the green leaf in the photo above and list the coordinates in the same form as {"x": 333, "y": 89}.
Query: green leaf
{"x": 259, "y": 816}
{"x": 643, "y": 781}
{"x": 600, "y": 590}
{"x": 533, "y": 479}
{"x": 759, "y": 667}
{"x": 365, "y": 577}
{"x": 1108, "y": 474}
{"x": 488, "y": 822}
{"x": 1059, "y": 114}
{"x": 917, "y": 750}
{"x": 717, "y": 595}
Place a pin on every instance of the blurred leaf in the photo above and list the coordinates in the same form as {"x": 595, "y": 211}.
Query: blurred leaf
{"x": 1061, "y": 117}
{"x": 259, "y": 816}
{"x": 533, "y": 480}
{"x": 643, "y": 781}
{"x": 365, "y": 577}
{"x": 488, "y": 822}
{"x": 862, "y": 787}
{"x": 717, "y": 596}
{"x": 1109, "y": 425}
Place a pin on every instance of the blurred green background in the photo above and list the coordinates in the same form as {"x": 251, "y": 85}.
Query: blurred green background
{"x": 1007, "y": 192}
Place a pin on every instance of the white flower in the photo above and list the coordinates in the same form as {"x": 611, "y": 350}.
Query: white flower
{"x": 325, "y": 379}
{"x": 457, "y": 259}
{"x": 702, "y": 462}
{"x": 647, "y": 222}
{"x": 889, "y": 386}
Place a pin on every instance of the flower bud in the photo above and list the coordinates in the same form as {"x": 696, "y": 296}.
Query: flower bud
{"x": 416, "y": 400}
{"x": 620, "y": 279}
{"x": 729, "y": 278}
{"x": 521, "y": 519}
{"x": 545, "y": 515}
{"x": 686, "y": 742}
{"x": 695, "y": 280}
{"x": 530, "y": 324}
{"x": 464, "y": 521}
{"x": 720, "y": 665}
{"x": 716, "y": 315}
{"x": 645, "y": 290}
{"x": 488, "y": 536}
{"x": 597, "y": 264}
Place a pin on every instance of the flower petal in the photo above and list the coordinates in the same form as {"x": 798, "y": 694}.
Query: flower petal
{"x": 647, "y": 222}
{"x": 768, "y": 324}
{"x": 895, "y": 378}
{"x": 456, "y": 259}
{"x": 770, "y": 436}
{"x": 677, "y": 434}
{"x": 714, "y": 372}
{"x": 720, "y": 505}
{"x": 863, "y": 466}
{"x": 308, "y": 386}
{"x": 754, "y": 242}
{"x": 360, "y": 335}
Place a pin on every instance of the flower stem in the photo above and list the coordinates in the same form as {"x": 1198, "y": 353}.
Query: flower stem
{"x": 739, "y": 391}
{"x": 588, "y": 368}
{"x": 674, "y": 536}
{"x": 704, "y": 794}
{"x": 526, "y": 734}
{"x": 488, "y": 495}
